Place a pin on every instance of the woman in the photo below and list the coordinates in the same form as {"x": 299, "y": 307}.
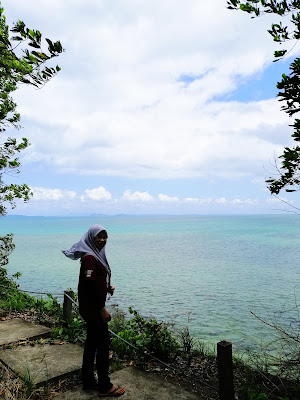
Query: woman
{"x": 93, "y": 286}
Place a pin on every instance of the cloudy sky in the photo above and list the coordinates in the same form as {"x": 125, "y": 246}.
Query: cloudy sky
{"x": 160, "y": 107}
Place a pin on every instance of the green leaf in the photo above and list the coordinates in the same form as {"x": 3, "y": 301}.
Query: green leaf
{"x": 17, "y": 38}
{"x": 34, "y": 44}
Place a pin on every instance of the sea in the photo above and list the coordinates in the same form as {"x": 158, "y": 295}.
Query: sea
{"x": 218, "y": 275}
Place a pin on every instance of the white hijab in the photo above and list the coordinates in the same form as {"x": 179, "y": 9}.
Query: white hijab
{"x": 86, "y": 246}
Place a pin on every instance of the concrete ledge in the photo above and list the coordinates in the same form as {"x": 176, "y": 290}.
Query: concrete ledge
{"x": 139, "y": 385}
{"x": 44, "y": 362}
{"x": 13, "y": 330}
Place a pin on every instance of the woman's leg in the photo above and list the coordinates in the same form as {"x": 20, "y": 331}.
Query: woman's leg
{"x": 90, "y": 347}
{"x": 102, "y": 357}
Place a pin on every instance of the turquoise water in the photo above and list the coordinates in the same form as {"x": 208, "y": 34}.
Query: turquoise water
{"x": 212, "y": 270}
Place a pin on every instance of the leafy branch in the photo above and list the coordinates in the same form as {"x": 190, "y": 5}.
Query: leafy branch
{"x": 288, "y": 87}
{"x": 31, "y": 67}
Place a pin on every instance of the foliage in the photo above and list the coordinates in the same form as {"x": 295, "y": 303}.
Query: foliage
{"x": 286, "y": 327}
{"x": 253, "y": 380}
{"x": 22, "y": 61}
{"x": 289, "y": 86}
{"x": 147, "y": 335}
{"x": 73, "y": 330}
{"x": 15, "y": 300}
{"x": 8, "y": 287}
{"x": 12, "y": 299}
{"x": 258, "y": 396}
{"x": 29, "y": 68}
{"x": 6, "y": 247}
{"x": 272, "y": 372}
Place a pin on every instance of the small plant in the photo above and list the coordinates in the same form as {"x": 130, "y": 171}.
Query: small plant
{"x": 28, "y": 381}
{"x": 203, "y": 348}
{"x": 73, "y": 330}
{"x": 116, "y": 365}
{"x": 154, "y": 336}
{"x": 187, "y": 342}
{"x": 118, "y": 321}
{"x": 120, "y": 347}
{"x": 146, "y": 335}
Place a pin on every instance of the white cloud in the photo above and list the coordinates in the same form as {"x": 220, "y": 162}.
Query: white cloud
{"x": 192, "y": 200}
{"x": 41, "y": 193}
{"x": 137, "y": 196}
{"x": 167, "y": 199}
{"x": 145, "y": 92}
{"x": 195, "y": 200}
{"x": 237, "y": 201}
{"x": 132, "y": 115}
{"x": 249, "y": 202}
{"x": 102, "y": 194}
{"x": 97, "y": 194}
{"x": 221, "y": 200}
{"x": 140, "y": 202}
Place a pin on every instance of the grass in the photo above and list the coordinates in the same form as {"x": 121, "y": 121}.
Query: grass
{"x": 28, "y": 381}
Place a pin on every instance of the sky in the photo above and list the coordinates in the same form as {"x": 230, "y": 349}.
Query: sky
{"x": 160, "y": 107}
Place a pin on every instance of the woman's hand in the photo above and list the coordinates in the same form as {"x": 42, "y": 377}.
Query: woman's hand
{"x": 111, "y": 290}
{"x": 105, "y": 315}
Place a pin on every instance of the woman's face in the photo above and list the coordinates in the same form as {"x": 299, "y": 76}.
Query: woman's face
{"x": 100, "y": 240}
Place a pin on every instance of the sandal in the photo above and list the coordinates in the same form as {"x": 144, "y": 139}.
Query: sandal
{"x": 114, "y": 393}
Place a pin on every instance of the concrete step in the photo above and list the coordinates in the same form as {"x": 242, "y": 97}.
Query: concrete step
{"x": 44, "y": 362}
{"x": 139, "y": 385}
{"x": 13, "y": 330}
{"x": 49, "y": 362}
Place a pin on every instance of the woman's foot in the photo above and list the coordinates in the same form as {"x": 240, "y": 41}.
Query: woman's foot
{"x": 115, "y": 391}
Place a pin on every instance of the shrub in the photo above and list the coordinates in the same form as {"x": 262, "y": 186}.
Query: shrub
{"x": 147, "y": 335}
{"x": 73, "y": 330}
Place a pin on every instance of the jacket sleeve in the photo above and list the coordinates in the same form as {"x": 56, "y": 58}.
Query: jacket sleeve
{"x": 95, "y": 283}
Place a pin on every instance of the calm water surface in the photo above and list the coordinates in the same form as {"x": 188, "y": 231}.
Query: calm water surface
{"x": 212, "y": 270}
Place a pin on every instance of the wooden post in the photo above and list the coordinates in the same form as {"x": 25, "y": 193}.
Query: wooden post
{"x": 225, "y": 370}
{"x": 67, "y": 306}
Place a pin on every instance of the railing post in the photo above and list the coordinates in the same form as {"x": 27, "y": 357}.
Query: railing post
{"x": 225, "y": 370}
{"x": 67, "y": 306}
